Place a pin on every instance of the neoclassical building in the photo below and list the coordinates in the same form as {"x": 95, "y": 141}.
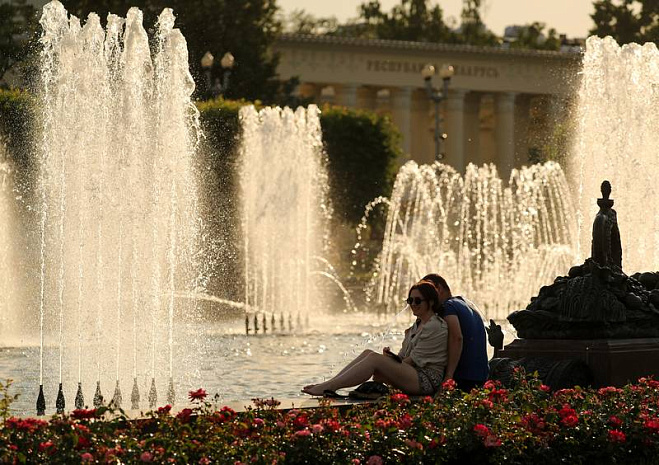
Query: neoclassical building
{"x": 501, "y": 106}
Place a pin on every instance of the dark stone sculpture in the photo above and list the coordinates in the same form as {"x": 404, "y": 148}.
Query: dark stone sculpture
{"x": 606, "y": 248}
{"x": 597, "y": 299}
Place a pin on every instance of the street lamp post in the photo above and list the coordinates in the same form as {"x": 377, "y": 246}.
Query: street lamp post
{"x": 207, "y": 64}
{"x": 445, "y": 72}
{"x": 227, "y": 63}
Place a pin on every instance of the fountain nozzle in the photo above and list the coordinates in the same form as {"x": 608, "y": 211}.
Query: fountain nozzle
{"x": 41, "y": 402}
{"x": 60, "y": 403}
{"x": 98, "y": 397}
{"x": 135, "y": 396}
{"x": 80, "y": 399}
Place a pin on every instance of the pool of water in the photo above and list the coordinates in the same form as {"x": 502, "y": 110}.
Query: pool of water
{"x": 232, "y": 365}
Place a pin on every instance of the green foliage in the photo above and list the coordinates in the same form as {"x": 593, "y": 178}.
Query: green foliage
{"x": 533, "y": 36}
{"x": 6, "y": 399}
{"x": 520, "y": 424}
{"x": 472, "y": 29}
{"x": 627, "y": 20}
{"x": 16, "y": 119}
{"x": 410, "y": 20}
{"x": 362, "y": 150}
{"x": 17, "y": 27}
{"x": 218, "y": 163}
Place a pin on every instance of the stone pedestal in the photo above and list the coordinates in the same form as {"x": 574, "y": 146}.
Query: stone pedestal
{"x": 613, "y": 362}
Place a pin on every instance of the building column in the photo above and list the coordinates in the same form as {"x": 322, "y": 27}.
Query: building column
{"x": 347, "y": 95}
{"x": 472, "y": 128}
{"x": 367, "y": 98}
{"x": 455, "y": 119}
{"x": 402, "y": 115}
{"x": 505, "y": 133}
{"x": 522, "y": 116}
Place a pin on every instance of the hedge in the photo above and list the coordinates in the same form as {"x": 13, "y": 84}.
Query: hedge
{"x": 519, "y": 424}
{"x": 17, "y": 111}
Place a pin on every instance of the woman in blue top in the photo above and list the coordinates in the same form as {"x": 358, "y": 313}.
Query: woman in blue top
{"x": 467, "y": 342}
{"x": 418, "y": 369}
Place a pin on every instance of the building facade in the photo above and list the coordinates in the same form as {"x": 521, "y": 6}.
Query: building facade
{"x": 500, "y": 108}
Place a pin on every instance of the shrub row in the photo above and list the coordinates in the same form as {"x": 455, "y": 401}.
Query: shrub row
{"x": 496, "y": 425}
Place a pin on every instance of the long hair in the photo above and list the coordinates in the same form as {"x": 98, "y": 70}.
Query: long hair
{"x": 438, "y": 281}
{"x": 429, "y": 293}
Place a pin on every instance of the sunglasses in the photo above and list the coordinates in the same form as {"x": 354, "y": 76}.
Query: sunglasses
{"x": 414, "y": 300}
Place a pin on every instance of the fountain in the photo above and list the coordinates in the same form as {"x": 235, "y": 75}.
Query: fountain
{"x": 285, "y": 211}
{"x": 616, "y": 138}
{"x": 10, "y": 292}
{"x": 493, "y": 243}
{"x": 118, "y": 219}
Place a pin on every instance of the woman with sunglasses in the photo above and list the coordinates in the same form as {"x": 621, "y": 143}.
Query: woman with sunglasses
{"x": 418, "y": 369}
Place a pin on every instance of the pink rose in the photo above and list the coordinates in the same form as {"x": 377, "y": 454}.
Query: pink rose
{"x": 146, "y": 456}
{"x": 87, "y": 457}
{"x": 316, "y": 429}
{"x": 374, "y": 460}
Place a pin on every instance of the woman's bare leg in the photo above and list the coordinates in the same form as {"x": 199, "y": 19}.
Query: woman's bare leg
{"x": 358, "y": 359}
{"x": 400, "y": 375}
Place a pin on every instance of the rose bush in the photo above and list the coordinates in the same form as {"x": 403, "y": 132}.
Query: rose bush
{"x": 518, "y": 424}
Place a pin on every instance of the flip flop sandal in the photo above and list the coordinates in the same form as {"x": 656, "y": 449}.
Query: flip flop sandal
{"x": 328, "y": 393}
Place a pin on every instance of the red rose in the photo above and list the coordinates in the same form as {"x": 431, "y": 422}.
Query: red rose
{"x": 492, "y": 441}
{"x": 164, "y": 410}
{"x": 652, "y": 424}
{"x": 83, "y": 443}
{"x": 43, "y": 446}
{"x": 303, "y": 433}
{"x": 615, "y": 421}
{"x": 199, "y": 394}
{"x": 300, "y": 422}
{"x": 83, "y": 414}
{"x": 400, "y": 398}
{"x": 449, "y": 385}
{"x": 481, "y": 430}
{"x": 405, "y": 421}
{"x": 184, "y": 415}
{"x": 570, "y": 421}
{"x": 489, "y": 384}
{"x": 617, "y": 436}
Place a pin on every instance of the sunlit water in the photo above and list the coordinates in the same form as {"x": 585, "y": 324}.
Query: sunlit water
{"x": 285, "y": 210}
{"x": 11, "y": 298}
{"x": 239, "y": 367}
{"x": 118, "y": 204}
{"x": 495, "y": 242}
{"x": 616, "y": 139}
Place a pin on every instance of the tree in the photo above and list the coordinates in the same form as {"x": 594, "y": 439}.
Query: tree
{"x": 533, "y": 36}
{"x": 411, "y": 20}
{"x": 301, "y": 22}
{"x": 472, "y": 29}
{"x": 627, "y": 20}
{"x": 246, "y": 29}
{"x": 17, "y": 27}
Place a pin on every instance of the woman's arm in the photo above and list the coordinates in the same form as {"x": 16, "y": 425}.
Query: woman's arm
{"x": 454, "y": 344}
